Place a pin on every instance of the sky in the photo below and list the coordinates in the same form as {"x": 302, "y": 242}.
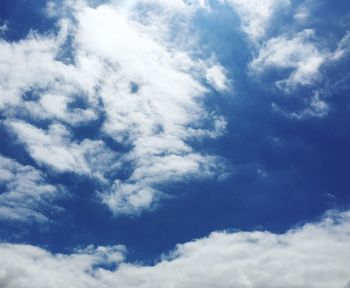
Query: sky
{"x": 174, "y": 143}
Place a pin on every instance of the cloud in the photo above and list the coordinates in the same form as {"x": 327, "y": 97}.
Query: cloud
{"x": 43, "y": 269}
{"x": 216, "y": 77}
{"x": 3, "y": 27}
{"x": 25, "y": 194}
{"x": 343, "y": 48}
{"x": 315, "y": 108}
{"x": 160, "y": 114}
{"x": 256, "y": 15}
{"x": 300, "y": 54}
{"x": 51, "y": 86}
{"x": 301, "y": 60}
{"x": 314, "y": 255}
{"x": 132, "y": 71}
{"x": 56, "y": 148}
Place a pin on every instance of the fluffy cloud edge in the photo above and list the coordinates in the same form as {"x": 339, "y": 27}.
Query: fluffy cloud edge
{"x": 312, "y": 255}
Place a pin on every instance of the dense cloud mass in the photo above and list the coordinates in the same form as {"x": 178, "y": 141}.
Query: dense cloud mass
{"x": 138, "y": 77}
{"x": 315, "y": 255}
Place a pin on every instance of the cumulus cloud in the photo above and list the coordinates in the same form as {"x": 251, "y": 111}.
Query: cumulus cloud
{"x": 25, "y": 194}
{"x": 128, "y": 69}
{"x": 256, "y": 15}
{"x": 314, "y": 255}
{"x": 74, "y": 270}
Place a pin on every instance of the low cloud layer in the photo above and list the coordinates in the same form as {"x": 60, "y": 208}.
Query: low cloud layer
{"x": 314, "y": 255}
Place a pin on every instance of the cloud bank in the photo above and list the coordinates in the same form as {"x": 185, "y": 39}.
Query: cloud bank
{"x": 314, "y": 255}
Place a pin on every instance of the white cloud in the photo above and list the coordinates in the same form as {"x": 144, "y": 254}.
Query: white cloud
{"x": 56, "y": 148}
{"x": 51, "y": 84}
{"x": 25, "y": 194}
{"x": 298, "y": 53}
{"x": 301, "y": 60}
{"x": 256, "y": 15}
{"x": 343, "y": 47}
{"x": 314, "y": 255}
{"x": 160, "y": 115}
{"x": 136, "y": 70}
{"x": 43, "y": 269}
{"x": 217, "y": 78}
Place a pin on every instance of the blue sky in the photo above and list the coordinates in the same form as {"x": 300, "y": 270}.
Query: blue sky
{"x": 145, "y": 143}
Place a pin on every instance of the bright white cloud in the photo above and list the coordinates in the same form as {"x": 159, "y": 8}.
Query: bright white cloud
{"x": 133, "y": 68}
{"x": 256, "y": 15}
{"x": 301, "y": 60}
{"x": 25, "y": 194}
{"x": 51, "y": 86}
{"x": 216, "y": 77}
{"x": 297, "y": 53}
{"x": 158, "y": 116}
{"x": 53, "y": 271}
{"x": 56, "y": 148}
{"x": 315, "y": 255}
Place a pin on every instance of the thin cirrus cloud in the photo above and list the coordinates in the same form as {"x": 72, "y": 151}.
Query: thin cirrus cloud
{"x": 133, "y": 74}
{"x": 314, "y": 255}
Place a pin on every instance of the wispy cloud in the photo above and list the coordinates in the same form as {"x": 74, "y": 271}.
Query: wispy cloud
{"x": 257, "y": 16}
{"x": 25, "y": 194}
{"x": 299, "y": 53}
